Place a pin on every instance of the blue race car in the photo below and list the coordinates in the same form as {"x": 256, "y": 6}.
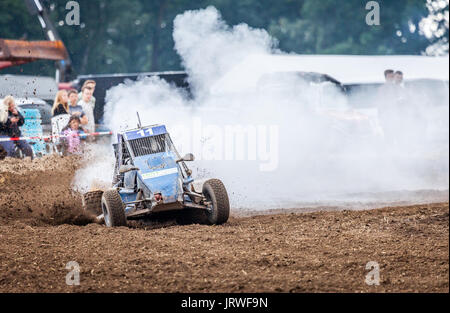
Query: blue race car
{"x": 150, "y": 177}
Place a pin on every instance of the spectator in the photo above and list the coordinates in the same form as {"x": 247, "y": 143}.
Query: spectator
{"x": 387, "y": 90}
{"x": 10, "y": 129}
{"x": 412, "y": 123}
{"x": 3, "y": 118}
{"x": 73, "y": 97}
{"x": 401, "y": 90}
{"x": 72, "y": 134}
{"x": 389, "y": 76}
{"x": 61, "y": 103}
{"x": 87, "y": 102}
{"x": 74, "y": 108}
{"x": 3, "y": 112}
{"x": 387, "y": 108}
{"x": 398, "y": 78}
{"x": 91, "y": 85}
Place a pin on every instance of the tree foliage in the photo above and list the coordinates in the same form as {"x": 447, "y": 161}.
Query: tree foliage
{"x": 136, "y": 35}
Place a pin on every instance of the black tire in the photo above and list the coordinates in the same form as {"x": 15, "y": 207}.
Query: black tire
{"x": 214, "y": 191}
{"x": 113, "y": 209}
{"x": 92, "y": 202}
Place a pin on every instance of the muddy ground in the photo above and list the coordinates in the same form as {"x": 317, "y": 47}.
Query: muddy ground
{"x": 285, "y": 251}
{"x": 39, "y": 192}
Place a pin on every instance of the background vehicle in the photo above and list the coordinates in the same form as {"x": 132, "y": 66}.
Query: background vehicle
{"x": 151, "y": 177}
{"x": 325, "y": 101}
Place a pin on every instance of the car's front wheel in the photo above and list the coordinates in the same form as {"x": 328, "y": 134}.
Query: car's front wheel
{"x": 219, "y": 205}
{"x": 113, "y": 209}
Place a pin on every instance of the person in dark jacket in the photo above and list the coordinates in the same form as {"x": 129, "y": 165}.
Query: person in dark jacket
{"x": 61, "y": 103}
{"x": 10, "y": 129}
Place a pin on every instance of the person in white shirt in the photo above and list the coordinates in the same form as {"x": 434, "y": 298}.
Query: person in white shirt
{"x": 87, "y": 102}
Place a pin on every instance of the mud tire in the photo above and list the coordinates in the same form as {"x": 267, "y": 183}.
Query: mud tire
{"x": 113, "y": 209}
{"x": 92, "y": 202}
{"x": 214, "y": 190}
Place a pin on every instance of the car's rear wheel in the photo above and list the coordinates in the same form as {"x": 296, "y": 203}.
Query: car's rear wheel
{"x": 113, "y": 209}
{"x": 219, "y": 208}
{"x": 92, "y": 202}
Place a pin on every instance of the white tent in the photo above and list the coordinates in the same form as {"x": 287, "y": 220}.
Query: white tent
{"x": 348, "y": 69}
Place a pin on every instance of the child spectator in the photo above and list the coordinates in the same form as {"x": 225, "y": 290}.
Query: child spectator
{"x": 73, "y": 97}
{"x": 74, "y": 108}
{"x": 72, "y": 134}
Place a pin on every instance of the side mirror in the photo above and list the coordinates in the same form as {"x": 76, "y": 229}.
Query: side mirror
{"x": 127, "y": 168}
{"x": 187, "y": 158}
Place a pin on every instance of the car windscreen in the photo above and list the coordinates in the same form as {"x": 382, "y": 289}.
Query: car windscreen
{"x": 151, "y": 144}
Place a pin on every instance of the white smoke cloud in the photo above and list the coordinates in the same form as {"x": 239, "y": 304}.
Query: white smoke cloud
{"x": 284, "y": 140}
{"x": 209, "y": 47}
{"x": 97, "y": 168}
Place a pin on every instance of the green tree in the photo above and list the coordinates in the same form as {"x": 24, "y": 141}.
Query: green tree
{"x": 330, "y": 27}
{"x": 435, "y": 27}
{"x": 136, "y": 35}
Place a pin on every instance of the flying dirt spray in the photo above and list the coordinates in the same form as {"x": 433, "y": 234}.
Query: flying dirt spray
{"x": 268, "y": 143}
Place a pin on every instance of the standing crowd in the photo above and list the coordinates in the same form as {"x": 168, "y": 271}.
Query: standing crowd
{"x": 78, "y": 104}
{"x": 77, "y": 108}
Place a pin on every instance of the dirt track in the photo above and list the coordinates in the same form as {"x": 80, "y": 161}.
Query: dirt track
{"x": 288, "y": 252}
{"x": 39, "y": 192}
